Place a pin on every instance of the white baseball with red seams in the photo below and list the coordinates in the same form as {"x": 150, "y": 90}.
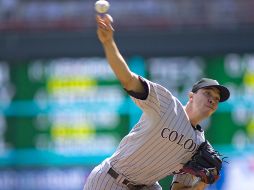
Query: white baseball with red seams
{"x": 101, "y": 6}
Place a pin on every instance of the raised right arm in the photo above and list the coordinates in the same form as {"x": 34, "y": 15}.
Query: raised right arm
{"x": 128, "y": 79}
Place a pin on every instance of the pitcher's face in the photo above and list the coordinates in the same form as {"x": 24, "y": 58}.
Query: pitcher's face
{"x": 206, "y": 100}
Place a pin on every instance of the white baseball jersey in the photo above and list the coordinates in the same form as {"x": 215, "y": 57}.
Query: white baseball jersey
{"x": 160, "y": 143}
{"x": 157, "y": 146}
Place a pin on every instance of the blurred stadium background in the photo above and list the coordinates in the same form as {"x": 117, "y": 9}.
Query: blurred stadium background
{"x": 62, "y": 110}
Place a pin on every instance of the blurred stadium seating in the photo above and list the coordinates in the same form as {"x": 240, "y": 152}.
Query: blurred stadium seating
{"x": 79, "y": 14}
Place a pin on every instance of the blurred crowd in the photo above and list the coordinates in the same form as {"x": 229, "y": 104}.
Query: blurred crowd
{"x": 72, "y": 14}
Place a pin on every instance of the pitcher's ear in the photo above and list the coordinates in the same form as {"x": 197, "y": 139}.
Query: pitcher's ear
{"x": 191, "y": 95}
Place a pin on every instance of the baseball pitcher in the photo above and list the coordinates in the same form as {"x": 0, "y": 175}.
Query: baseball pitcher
{"x": 167, "y": 140}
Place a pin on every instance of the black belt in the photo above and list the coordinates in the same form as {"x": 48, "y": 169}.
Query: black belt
{"x": 126, "y": 182}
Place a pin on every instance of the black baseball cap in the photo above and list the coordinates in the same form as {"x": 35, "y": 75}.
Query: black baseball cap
{"x": 207, "y": 83}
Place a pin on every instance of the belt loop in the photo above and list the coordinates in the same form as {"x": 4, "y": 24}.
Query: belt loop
{"x": 120, "y": 178}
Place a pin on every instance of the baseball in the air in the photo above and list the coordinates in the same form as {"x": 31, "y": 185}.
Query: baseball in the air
{"x": 101, "y": 6}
